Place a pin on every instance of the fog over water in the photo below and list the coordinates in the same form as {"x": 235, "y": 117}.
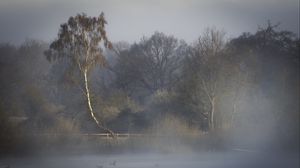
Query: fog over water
{"x": 205, "y": 160}
{"x": 149, "y": 84}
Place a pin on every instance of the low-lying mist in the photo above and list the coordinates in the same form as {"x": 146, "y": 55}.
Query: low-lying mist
{"x": 159, "y": 102}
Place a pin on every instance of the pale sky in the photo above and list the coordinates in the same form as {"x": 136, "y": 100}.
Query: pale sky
{"x": 129, "y": 20}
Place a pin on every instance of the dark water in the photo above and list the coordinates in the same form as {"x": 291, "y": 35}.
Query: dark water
{"x": 236, "y": 159}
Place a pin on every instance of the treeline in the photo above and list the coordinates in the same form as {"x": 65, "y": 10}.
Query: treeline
{"x": 248, "y": 86}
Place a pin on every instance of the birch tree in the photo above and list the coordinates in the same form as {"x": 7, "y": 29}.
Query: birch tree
{"x": 79, "y": 40}
{"x": 206, "y": 62}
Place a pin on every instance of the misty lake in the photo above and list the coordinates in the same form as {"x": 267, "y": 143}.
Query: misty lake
{"x": 203, "y": 160}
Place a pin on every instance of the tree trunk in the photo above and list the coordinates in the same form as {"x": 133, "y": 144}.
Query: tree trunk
{"x": 235, "y": 107}
{"x": 88, "y": 97}
{"x": 212, "y": 113}
{"x": 233, "y": 113}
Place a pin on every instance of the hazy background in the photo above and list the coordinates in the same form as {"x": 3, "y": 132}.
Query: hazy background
{"x": 230, "y": 99}
{"x": 131, "y": 19}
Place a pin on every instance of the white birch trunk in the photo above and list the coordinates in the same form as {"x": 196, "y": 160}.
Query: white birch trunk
{"x": 212, "y": 113}
{"x": 90, "y": 107}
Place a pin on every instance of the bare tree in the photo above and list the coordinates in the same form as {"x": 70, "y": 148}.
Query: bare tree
{"x": 206, "y": 61}
{"x": 79, "y": 41}
{"x": 120, "y": 46}
{"x": 152, "y": 64}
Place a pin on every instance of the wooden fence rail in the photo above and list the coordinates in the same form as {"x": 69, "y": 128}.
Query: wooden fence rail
{"x": 108, "y": 136}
